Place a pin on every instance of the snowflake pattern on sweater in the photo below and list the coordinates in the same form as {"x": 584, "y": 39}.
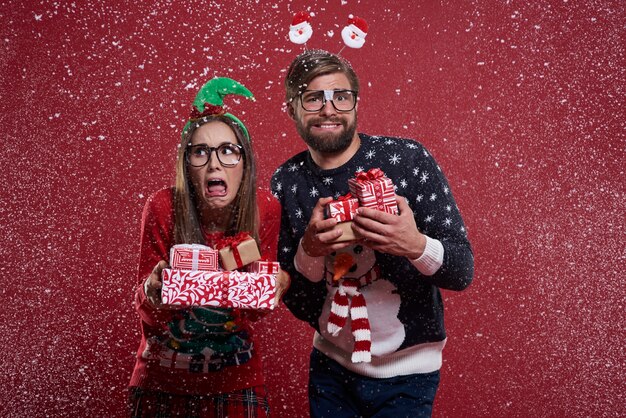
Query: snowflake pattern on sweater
{"x": 299, "y": 183}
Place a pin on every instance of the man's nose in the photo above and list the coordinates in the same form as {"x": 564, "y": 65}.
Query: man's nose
{"x": 328, "y": 108}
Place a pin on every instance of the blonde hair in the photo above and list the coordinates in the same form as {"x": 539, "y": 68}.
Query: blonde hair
{"x": 187, "y": 227}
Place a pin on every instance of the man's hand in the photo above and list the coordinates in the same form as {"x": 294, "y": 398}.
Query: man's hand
{"x": 391, "y": 234}
{"x": 282, "y": 284}
{"x": 319, "y": 234}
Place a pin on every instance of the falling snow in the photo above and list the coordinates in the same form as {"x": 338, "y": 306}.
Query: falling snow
{"x": 520, "y": 103}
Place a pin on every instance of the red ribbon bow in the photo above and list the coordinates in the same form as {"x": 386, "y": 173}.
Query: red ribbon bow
{"x": 233, "y": 242}
{"x": 371, "y": 174}
{"x": 347, "y": 196}
{"x": 209, "y": 110}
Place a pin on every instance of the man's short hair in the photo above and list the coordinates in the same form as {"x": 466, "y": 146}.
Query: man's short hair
{"x": 314, "y": 63}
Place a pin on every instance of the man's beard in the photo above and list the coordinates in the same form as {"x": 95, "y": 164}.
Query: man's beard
{"x": 328, "y": 143}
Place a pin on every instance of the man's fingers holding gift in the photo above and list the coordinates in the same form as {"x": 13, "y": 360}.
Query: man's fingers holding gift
{"x": 318, "y": 210}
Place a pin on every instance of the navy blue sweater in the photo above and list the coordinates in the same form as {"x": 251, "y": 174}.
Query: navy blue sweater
{"x": 299, "y": 183}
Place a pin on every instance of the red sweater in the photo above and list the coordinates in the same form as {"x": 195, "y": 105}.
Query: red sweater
{"x": 190, "y": 351}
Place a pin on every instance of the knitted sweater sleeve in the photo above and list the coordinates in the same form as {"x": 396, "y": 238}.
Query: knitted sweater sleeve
{"x": 303, "y": 298}
{"x": 156, "y": 238}
{"x": 437, "y": 216}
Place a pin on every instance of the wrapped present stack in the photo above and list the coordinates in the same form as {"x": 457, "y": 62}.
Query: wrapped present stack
{"x": 370, "y": 189}
{"x": 196, "y": 278}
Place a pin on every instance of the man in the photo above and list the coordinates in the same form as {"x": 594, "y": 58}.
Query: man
{"x": 413, "y": 253}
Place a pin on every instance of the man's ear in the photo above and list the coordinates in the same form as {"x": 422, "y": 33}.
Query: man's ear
{"x": 291, "y": 111}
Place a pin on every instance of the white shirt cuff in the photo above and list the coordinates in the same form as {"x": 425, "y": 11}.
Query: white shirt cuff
{"x": 432, "y": 258}
{"x": 310, "y": 267}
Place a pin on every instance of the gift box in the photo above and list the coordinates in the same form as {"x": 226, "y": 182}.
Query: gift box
{"x": 348, "y": 233}
{"x": 264, "y": 267}
{"x": 342, "y": 209}
{"x": 193, "y": 257}
{"x": 225, "y": 289}
{"x": 374, "y": 190}
{"x": 238, "y": 251}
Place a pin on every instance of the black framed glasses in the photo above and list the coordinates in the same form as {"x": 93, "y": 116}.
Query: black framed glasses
{"x": 228, "y": 154}
{"x": 315, "y": 100}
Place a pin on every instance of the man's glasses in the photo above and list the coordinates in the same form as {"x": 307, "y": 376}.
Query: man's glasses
{"x": 228, "y": 154}
{"x": 315, "y": 100}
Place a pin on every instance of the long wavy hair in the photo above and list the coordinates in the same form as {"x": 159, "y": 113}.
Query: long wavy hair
{"x": 245, "y": 216}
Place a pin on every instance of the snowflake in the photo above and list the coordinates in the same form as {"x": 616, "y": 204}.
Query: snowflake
{"x": 313, "y": 192}
{"x": 447, "y": 222}
{"x": 388, "y": 142}
{"x": 327, "y": 180}
{"x": 360, "y": 168}
{"x": 395, "y": 159}
{"x": 449, "y": 208}
{"x": 432, "y": 197}
{"x": 429, "y": 218}
{"x": 424, "y": 177}
{"x": 463, "y": 229}
{"x": 403, "y": 183}
{"x": 286, "y": 249}
{"x": 416, "y": 171}
{"x": 293, "y": 167}
{"x": 299, "y": 213}
{"x": 279, "y": 186}
{"x": 278, "y": 170}
{"x": 426, "y": 153}
{"x": 419, "y": 198}
{"x": 294, "y": 188}
{"x": 411, "y": 145}
{"x": 370, "y": 154}
{"x": 446, "y": 190}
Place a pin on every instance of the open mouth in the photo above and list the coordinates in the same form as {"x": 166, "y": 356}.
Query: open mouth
{"x": 216, "y": 188}
{"x": 328, "y": 126}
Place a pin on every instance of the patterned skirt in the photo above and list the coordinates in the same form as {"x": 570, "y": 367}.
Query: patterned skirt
{"x": 246, "y": 403}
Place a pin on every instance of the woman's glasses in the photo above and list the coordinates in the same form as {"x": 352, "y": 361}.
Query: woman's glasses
{"x": 228, "y": 154}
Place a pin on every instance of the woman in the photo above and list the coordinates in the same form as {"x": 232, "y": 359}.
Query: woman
{"x": 202, "y": 361}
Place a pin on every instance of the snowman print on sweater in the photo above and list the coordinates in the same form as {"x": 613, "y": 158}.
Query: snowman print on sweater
{"x": 381, "y": 301}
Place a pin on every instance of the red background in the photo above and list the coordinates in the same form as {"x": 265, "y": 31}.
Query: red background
{"x": 521, "y": 104}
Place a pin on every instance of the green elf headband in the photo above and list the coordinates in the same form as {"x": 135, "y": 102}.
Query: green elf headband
{"x": 210, "y": 101}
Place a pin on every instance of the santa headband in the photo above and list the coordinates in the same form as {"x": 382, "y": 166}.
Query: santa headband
{"x": 353, "y": 34}
{"x": 210, "y": 101}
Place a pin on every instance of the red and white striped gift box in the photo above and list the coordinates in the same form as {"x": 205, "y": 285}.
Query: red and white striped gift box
{"x": 342, "y": 209}
{"x": 194, "y": 257}
{"x": 374, "y": 190}
{"x": 264, "y": 267}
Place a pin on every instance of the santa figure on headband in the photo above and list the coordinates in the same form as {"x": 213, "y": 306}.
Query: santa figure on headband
{"x": 354, "y": 33}
{"x": 300, "y": 29}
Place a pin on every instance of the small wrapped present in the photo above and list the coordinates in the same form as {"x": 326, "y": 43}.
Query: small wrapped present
{"x": 374, "y": 190}
{"x": 348, "y": 233}
{"x": 343, "y": 209}
{"x": 264, "y": 267}
{"x": 225, "y": 289}
{"x": 193, "y": 257}
{"x": 238, "y": 251}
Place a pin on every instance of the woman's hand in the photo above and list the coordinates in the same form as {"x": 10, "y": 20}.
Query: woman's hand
{"x": 282, "y": 284}
{"x": 153, "y": 284}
